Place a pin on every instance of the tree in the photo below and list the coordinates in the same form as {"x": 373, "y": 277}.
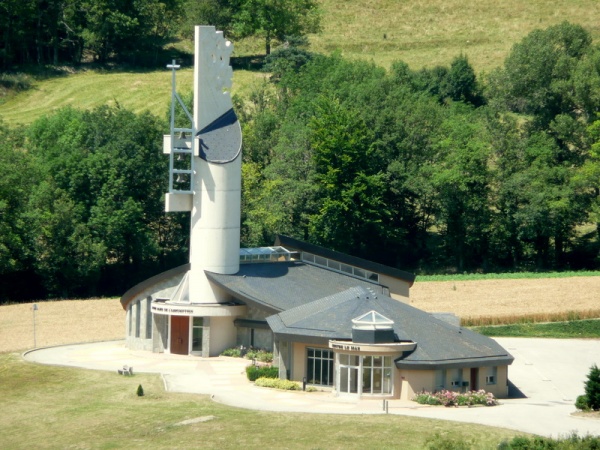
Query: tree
{"x": 289, "y": 57}
{"x": 351, "y": 211}
{"x": 537, "y": 75}
{"x": 589, "y": 175}
{"x": 592, "y": 388}
{"x": 218, "y": 13}
{"x": 273, "y": 20}
{"x": 461, "y": 179}
{"x": 15, "y": 186}
{"x": 98, "y": 208}
{"x": 457, "y": 83}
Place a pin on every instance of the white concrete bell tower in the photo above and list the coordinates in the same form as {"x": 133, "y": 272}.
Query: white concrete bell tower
{"x": 205, "y": 178}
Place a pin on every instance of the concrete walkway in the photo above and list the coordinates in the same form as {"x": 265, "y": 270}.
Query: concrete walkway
{"x": 548, "y": 372}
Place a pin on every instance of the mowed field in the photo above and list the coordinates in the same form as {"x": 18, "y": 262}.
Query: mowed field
{"x": 74, "y": 321}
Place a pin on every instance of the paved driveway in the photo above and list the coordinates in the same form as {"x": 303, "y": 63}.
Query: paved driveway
{"x": 548, "y": 372}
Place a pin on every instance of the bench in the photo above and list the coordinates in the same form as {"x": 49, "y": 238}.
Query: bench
{"x": 126, "y": 370}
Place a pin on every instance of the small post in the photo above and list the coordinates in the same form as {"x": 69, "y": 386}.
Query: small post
{"x": 387, "y": 404}
{"x": 34, "y": 308}
{"x": 304, "y": 384}
{"x": 383, "y": 404}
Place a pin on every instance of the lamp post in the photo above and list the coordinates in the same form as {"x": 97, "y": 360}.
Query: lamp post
{"x": 34, "y": 308}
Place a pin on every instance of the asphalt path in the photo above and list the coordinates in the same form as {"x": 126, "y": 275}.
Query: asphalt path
{"x": 546, "y": 378}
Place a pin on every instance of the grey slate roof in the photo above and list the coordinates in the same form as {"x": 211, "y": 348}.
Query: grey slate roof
{"x": 279, "y": 286}
{"x": 439, "y": 344}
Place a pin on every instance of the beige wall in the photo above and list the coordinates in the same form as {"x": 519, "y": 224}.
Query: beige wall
{"x": 399, "y": 290}
{"x": 222, "y": 334}
{"x": 500, "y": 389}
{"x": 298, "y": 368}
{"x": 413, "y": 381}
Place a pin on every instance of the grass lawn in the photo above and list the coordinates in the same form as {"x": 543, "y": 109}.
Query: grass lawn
{"x": 57, "y": 407}
{"x": 573, "y": 329}
{"x": 137, "y": 91}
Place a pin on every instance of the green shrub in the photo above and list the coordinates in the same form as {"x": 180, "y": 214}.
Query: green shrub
{"x": 17, "y": 82}
{"x": 255, "y": 372}
{"x": 582, "y": 403}
{"x": 259, "y": 355}
{"x": 276, "y": 383}
{"x": 425, "y": 398}
{"x": 234, "y": 352}
{"x": 140, "y": 391}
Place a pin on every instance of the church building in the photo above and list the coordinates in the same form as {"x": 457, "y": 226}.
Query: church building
{"x": 331, "y": 319}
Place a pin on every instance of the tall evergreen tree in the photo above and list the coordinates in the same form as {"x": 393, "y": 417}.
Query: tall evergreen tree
{"x": 592, "y": 388}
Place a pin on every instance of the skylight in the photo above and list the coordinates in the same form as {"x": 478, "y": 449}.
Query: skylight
{"x": 372, "y": 321}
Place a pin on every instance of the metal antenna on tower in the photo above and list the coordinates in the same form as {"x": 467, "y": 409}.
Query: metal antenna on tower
{"x": 181, "y": 143}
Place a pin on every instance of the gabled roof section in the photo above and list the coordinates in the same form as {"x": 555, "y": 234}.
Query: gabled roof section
{"x": 291, "y": 243}
{"x": 439, "y": 344}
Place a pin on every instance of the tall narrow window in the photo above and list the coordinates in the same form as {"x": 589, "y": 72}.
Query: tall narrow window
{"x": 149, "y": 318}
{"x": 137, "y": 319}
{"x": 440, "y": 379}
{"x": 319, "y": 366}
{"x": 197, "y": 328}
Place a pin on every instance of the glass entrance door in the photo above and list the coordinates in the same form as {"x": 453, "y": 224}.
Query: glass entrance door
{"x": 348, "y": 375}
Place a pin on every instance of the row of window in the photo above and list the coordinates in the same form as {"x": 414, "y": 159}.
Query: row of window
{"x": 357, "y": 374}
{"x": 340, "y": 267}
{"x": 264, "y": 254}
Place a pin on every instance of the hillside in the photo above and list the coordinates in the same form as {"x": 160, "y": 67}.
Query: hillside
{"x": 422, "y": 33}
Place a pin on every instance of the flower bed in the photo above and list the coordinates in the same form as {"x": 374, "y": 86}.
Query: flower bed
{"x": 452, "y": 398}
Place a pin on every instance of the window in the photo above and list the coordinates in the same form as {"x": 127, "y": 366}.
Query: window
{"x": 346, "y": 268}
{"x": 319, "y": 260}
{"x": 308, "y": 257}
{"x": 492, "y": 375}
{"x": 197, "y": 328}
{"x": 440, "y": 379}
{"x": 319, "y": 366}
{"x": 359, "y": 272}
{"x": 137, "y": 319}
{"x": 377, "y": 375}
{"x": 130, "y": 319}
{"x": 455, "y": 377}
{"x": 149, "y": 318}
{"x": 334, "y": 265}
{"x": 340, "y": 267}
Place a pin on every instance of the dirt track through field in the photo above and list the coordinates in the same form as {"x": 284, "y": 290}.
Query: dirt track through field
{"x": 73, "y": 321}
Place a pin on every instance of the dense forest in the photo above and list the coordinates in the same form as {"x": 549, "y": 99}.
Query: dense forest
{"x": 431, "y": 170}
{"x": 135, "y": 31}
